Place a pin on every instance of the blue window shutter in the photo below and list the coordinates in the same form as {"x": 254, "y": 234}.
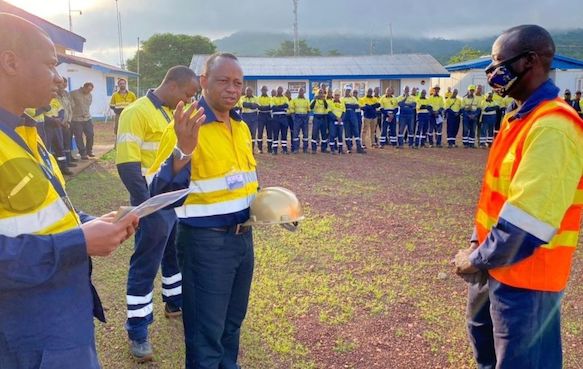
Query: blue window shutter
{"x": 110, "y": 85}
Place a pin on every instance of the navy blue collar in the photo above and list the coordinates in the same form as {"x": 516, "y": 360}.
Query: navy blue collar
{"x": 546, "y": 91}
{"x": 210, "y": 115}
{"x": 12, "y": 121}
{"x": 8, "y": 119}
{"x": 154, "y": 99}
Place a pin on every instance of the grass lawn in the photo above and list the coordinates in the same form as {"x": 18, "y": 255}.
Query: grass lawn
{"x": 364, "y": 283}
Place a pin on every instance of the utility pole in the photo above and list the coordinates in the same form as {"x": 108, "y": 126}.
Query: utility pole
{"x": 391, "y": 36}
{"x": 296, "y": 39}
{"x": 138, "y": 67}
{"x": 71, "y": 17}
{"x": 119, "y": 36}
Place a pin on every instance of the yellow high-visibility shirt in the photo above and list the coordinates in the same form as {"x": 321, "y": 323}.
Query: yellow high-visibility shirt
{"x": 436, "y": 102}
{"x": 55, "y": 108}
{"x": 300, "y": 105}
{"x": 120, "y": 101}
{"x": 389, "y": 102}
{"x": 470, "y": 103}
{"x": 249, "y": 100}
{"x": 453, "y": 103}
{"x": 264, "y": 101}
{"x": 488, "y": 104}
{"x": 219, "y": 155}
{"x": 32, "y": 112}
{"x": 337, "y": 108}
{"x": 320, "y": 108}
{"x": 423, "y": 102}
{"x": 141, "y": 126}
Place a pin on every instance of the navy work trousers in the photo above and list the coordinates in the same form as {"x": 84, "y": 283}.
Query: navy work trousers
{"x": 154, "y": 246}
{"x": 453, "y": 126}
{"x": 300, "y": 124}
{"x": 406, "y": 122}
{"x": 263, "y": 124}
{"x": 514, "y": 328}
{"x": 251, "y": 120}
{"x": 319, "y": 132}
{"x": 217, "y": 268}
{"x": 280, "y": 126}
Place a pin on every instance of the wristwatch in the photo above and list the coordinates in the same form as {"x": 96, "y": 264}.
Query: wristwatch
{"x": 179, "y": 154}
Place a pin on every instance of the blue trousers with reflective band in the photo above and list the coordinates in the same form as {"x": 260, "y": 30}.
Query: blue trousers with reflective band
{"x": 406, "y": 122}
{"x": 82, "y": 357}
{"x": 453, "y": 127}
{"x": 487, "y": 129}
{"x": 217, "y": 268}
{"x": 300, "y": 124}
{"x": 514, "y": 328}
{"x": 319, "y": 132}
{"x": 359, "y": 122}
{"x": 422, "y": 125}
{"x": 262, "y": 126}
{"x": 336, "y": 130}
{"x": 154, "y": 246}
{"x": 351, "y": 132}
{"x": 252, "y": 121}
{"x": 435, "y": 131}
{"x": 281, "y": 126}
{"x": 469, "y": 130}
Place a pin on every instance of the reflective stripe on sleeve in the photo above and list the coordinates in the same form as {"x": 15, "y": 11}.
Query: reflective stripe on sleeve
{"x": 527, "y": 222}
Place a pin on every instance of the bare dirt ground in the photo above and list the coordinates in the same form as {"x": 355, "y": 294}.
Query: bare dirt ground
{"x": 365, "y": 283}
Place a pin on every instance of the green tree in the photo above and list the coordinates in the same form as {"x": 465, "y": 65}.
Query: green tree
{"x": 467, "y": 53}
{"x": 165, "y": 50}
{"x": 334, "y": 52}
{"x": 286, "y": 48}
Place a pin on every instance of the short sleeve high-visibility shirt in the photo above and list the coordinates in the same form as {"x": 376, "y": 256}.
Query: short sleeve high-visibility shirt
{"x": 141, "y": 126}
{"x": 120, "y": 101}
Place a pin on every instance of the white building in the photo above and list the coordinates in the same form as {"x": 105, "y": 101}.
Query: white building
{"x": 338, "y": 72}
{"x": 567, "y": 73}
{"x": 77, "y": 69}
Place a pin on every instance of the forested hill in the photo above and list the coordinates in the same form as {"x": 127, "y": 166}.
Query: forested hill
{"x": 569, "y": 43}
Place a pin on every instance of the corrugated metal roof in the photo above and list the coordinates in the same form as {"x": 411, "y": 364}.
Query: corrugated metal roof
{"x": 373, "y": 66}
{"x": 559, "y": 62}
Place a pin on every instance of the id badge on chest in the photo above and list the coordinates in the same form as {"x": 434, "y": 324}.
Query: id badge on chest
{"x": 235, "y": 181}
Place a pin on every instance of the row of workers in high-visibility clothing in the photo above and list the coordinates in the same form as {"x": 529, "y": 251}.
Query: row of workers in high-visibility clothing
{"x": 413, "y": 114}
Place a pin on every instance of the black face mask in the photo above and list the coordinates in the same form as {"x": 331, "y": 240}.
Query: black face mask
{"x": 502, "y": 77}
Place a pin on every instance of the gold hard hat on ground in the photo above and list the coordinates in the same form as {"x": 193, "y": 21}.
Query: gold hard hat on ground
{"x": 276, "y": 205}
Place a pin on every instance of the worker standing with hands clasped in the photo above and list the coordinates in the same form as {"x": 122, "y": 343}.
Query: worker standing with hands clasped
{"x": 47, "y": 301}
{"x": 529, "y": 212}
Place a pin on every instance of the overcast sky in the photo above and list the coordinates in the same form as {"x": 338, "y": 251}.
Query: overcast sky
{"x": 455, "y": 19}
